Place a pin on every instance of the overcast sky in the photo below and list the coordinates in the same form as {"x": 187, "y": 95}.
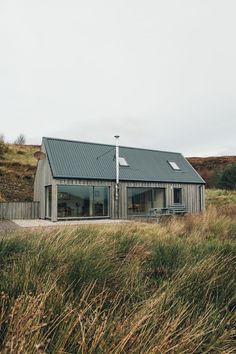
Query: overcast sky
{"x": 160, "y": 73}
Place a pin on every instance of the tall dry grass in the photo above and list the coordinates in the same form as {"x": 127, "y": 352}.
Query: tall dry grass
{"x": 132, "y": 288}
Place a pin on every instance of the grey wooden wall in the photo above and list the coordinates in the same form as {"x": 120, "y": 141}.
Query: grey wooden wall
{"x": 43, "y": 177}
{"x": 19, "y": 210}
{"x": 191, "y": 193}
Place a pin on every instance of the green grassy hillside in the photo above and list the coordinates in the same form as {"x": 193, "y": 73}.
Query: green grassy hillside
{"x": 220, "y": 198}
{"x": 132, "y": 288}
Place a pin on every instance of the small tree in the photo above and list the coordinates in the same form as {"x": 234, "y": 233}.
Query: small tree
{"x": 20, "y": 140}
{"x": 3, "y": 148}
{"x": 228, "y": 178}
{"x": 2, "y": 138}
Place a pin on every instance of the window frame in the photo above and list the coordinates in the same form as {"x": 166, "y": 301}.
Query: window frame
{"x": 87, "y": 217}
{"x": 48, "y": 204}
{"x": 181, "y": 195}
{"x": 152, "y": 198}
{"x": 123, "y": 162}
{"x": 173, "y": 164}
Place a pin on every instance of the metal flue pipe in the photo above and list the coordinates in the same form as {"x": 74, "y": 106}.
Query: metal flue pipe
{"x": 117, "y": 176}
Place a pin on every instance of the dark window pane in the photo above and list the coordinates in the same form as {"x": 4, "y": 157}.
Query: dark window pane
{"x": 100, "y": 201}
{"x": 158, "y": 198}
{"x": 177, "y": 195}
{"x": 140, "y": 200}
{"x": 82, "y": 201}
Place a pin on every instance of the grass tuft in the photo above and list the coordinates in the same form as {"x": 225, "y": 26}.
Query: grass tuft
{"x": 132, "y": 288}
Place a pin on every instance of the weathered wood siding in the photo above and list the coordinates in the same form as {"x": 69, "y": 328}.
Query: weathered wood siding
{"x": 19, "y": 210}
{"x": 191, "y": 193}
{"x": 43, "y": 178}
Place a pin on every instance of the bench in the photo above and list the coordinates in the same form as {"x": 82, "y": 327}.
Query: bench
{"x": 158, "y": 213}
{"x": 154, "y": 212}
{"x": 164, "y": 213}
{"x": 178, "y": 209}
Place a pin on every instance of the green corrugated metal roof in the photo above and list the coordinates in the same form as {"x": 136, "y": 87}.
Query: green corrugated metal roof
{"x": 84, "y": 160}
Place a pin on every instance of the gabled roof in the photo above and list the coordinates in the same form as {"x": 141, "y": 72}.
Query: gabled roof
{"x": 84, "y": 160}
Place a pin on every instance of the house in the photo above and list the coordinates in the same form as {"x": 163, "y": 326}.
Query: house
{"x": 77, "y": 179}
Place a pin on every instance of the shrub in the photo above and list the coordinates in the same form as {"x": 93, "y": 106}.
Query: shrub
{"x": 228, "y": 178}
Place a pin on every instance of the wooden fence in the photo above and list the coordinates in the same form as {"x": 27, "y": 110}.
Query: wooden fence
{"x": 19, "y": 210}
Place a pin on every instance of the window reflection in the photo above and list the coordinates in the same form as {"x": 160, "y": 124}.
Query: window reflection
{"x": 140, "y": 200}
{"x": 82, "y": 201}
{"x": 48, "y": 201}
{"x": 177, "y": 195}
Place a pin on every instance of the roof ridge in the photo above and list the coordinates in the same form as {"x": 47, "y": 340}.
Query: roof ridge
{"x": 111, "y": 145}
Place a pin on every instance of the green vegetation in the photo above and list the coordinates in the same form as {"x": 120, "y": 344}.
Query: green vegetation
{"x": 131, "y": 288}
{"x": 227, "y": 179}
{"x": 221, "y": 198}
{"x": 21, "y": 154}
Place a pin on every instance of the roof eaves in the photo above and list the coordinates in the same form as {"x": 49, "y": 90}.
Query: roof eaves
{"x": 128, "y": 180}
{"x": 48, "y": 153}
{"x": 203, "y": 182}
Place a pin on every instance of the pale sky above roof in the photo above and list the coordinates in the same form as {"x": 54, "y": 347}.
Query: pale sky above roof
{"x": 161, "y": 74}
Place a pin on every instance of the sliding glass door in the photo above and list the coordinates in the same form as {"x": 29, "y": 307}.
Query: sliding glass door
{"x": 83, "y": 201}
{"x": 140, "y": 200}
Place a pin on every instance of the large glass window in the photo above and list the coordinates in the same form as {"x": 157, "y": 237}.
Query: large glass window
{"x": 82, "y": 201}
{"x": 48, "y": 201}
{"x": 140, "y": 200}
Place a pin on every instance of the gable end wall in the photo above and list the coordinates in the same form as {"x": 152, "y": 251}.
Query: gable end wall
{"x": 43, "y": 177}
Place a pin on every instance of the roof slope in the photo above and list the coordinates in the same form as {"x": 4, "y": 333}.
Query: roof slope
{"x": 76, "y": 159}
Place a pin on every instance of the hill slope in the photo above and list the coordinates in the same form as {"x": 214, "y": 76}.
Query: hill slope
{"x": 17, "y": 169}
{"x": 18, "y": 166}
{"x": 206, "y": 166}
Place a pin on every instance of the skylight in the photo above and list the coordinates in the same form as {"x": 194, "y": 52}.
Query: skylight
{"x": 174, "y": 165}
{"x": 123, "y": 162}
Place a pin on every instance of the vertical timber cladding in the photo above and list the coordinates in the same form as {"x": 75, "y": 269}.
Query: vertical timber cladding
{"x": 19, "y": 210}
{"x": 190, "y": 195}
{"x": 98, "y": 183}
{"x": 43, "y": 178}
